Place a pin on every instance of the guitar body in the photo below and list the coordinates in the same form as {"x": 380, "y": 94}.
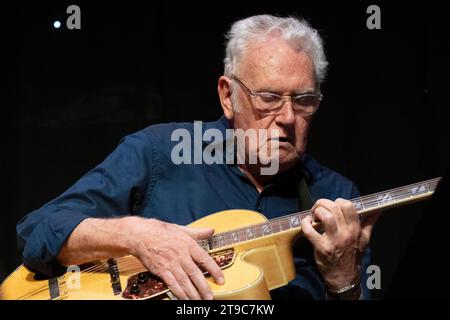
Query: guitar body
{"x": 255, "y": 255}
{"x": 251, "y": 268}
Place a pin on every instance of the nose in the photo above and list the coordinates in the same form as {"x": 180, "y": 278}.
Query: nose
{"x": 286, "y": 116}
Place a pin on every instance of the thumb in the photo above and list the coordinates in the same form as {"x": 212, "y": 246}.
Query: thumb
{"x": 198, "y": 233}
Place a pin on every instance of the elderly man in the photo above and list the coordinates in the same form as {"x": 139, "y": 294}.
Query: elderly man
{"x": 273, "y": 70}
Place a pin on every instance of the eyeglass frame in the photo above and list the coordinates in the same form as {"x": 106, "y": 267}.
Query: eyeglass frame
{"x": 253, "y": 94}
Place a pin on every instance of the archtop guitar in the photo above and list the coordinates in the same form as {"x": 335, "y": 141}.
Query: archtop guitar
{"x": 255, "y": 254}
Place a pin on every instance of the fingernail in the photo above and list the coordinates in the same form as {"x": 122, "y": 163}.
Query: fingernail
{"x": 209, "y": 296}
{"x": 221, "y": 280}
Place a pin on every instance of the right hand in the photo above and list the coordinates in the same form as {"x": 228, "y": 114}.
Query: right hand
{"x": 171, "y": 252}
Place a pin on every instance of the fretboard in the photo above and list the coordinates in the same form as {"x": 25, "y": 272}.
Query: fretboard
{"x": 364, "y": 205}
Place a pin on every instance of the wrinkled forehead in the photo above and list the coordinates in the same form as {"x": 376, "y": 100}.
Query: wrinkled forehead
{"x": 275, "y": 62}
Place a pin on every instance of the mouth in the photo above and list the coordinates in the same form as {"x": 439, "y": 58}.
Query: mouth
{"x": 284, "y": 140}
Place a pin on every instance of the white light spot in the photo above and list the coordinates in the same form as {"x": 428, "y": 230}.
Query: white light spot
{"x": 57, "y": 24}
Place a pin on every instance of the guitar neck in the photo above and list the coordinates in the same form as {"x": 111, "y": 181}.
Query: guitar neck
{"x": 395, "y": 197}
{"x": 364, "y": 205}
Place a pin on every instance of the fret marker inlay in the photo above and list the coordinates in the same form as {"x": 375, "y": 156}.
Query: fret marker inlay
{"x": 294, "y": 221}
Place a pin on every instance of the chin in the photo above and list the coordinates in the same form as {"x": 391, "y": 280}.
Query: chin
{"x": 288, "y": 161}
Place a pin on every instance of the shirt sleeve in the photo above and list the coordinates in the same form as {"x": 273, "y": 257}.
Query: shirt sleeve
{"x": 109, "y": 190}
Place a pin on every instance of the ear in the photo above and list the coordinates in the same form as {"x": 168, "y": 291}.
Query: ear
{"x": 224, "y": 90}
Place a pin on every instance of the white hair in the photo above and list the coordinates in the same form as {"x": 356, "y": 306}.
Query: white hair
{"x": 257, "y": 29}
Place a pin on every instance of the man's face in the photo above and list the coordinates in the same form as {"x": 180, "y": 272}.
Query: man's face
{"x": 276, "y": 67}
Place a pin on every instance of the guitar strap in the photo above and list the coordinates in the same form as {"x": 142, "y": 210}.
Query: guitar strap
{"x": 303, "y": 195}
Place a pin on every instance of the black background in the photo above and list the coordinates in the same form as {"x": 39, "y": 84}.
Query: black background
{"x": 72, "y": 94}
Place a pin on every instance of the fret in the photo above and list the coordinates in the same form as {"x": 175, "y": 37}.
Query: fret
{"x": 418, "y": 189}
{"x": 225, "y": 238}
{"x": 215, "y": 242}
{"x": 275, "y": 226}
{"x": 385, "y": 199}
{"x": 235, "y": 237}
{"x": 242, "y": 235}
{"x": 294, "y": 221}
{"x": 211, "y": 243}
{"x": 257, "y": 231}
{"x": 221, "y": 241}
{"x": 303, "y": 215}
{"x": 400, "y": 195}
{"x": 433, "y": 185}
{"x": 266, "y": 229}
{"x": 249, "y": 233}
{"x": 382, "y": 199}
{"x": 228, "y": 239}
{"x": 403, "y": 194}
{"x": 370, "y": 202}
{"x": 285, "y": 225}
{"x": 359, "y": 205}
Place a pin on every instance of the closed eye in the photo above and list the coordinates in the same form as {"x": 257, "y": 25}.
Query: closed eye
{"x": 307, "y": 100}
{"x": 268, "y": 97}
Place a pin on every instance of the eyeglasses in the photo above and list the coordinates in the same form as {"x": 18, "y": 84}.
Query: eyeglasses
{"x": 268, "y": 103}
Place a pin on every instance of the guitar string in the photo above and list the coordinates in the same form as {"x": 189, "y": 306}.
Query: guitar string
{"x": 430, "y": 184}
{"x": 87, "y": 279}
{"x": 367, "y": 204}
{"x": 372, "y": 204}
{"x": 373, "y": 198}
{"x": 132, "y": 267}
{"x": 256, "y": 230}
{"x": 130, "y": 264}
{"x": 93, "y": 280}
{"x": 140, "y": 267}
{"x": 364, "y": 199}
{"x": 97, "y": 268}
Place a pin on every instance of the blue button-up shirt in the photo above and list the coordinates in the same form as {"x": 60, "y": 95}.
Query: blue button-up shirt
{"x": 139, "y": 178}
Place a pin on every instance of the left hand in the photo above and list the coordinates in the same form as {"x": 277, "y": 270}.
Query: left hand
{"x": 338, "y": 250}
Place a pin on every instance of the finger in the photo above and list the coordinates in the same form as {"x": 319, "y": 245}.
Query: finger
{"x": 198, "y": 233}
{"x": 310, "y": 233}
{"x": 348, "y": 210}
{"x": 207, "y": 263}
{"x": 185, "y": 283}
{"x": 173, "y": 285}
{"x": 332, "y": 207}
{"x": 198, "y": 279}
{"x": 367, "y": 225}
{"x": 328, "y": 220}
